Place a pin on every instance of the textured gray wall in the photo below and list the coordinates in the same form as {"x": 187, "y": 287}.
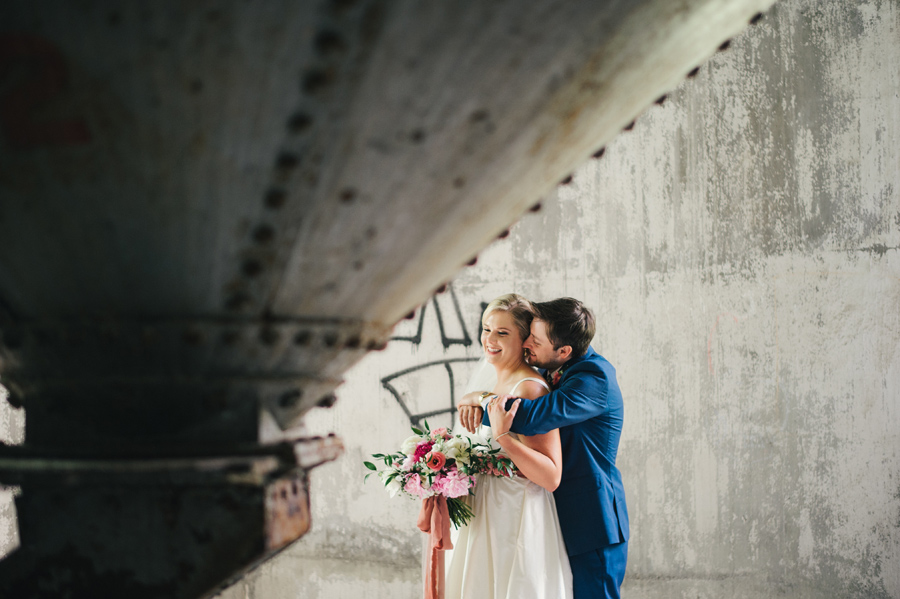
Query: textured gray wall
{"x": 740, "y": 248}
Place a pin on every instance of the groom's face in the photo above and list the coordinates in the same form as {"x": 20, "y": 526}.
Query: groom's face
{"x": 540, "y": 352}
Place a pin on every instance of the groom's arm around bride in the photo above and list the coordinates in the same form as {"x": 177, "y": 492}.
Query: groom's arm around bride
{"x": 586, "y": 406}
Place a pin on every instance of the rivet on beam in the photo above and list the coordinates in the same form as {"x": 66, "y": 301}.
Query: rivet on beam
{"x": 756, "y": 18}
{"x": 629, "y": 126}
{"x": 302, "y": 338}
{"x": 599, "y": 153}
{"x": 268, "y": 336}
{"x": 237, "y": 301}
{"x": 441, "y": 289}
{"x": 473, "y": 261}
{"x": 289, "y": 399}
{"x": 661, "y": 100}
{"x": 327, "y": 401}
{"x": 694, "y": 72}
{"x": 566, "y": 181}
{"x": 275, "y": 198}
{"x": 316, "y": 80}
{"x": 376, "y": 345}
{"x": 347, "y": 195}
{"x": 286, "y": 161}
{"x": 252, "y": 267}
{"x": 263, "y": 234}
{"x": 503, "y": 234}
{"x": 299, "y": 123}
{"x": 535, "y": 208}
{"x": 724, "y": 45}
{"x": 410, "y": 315}
{"x": 329, "y": 42}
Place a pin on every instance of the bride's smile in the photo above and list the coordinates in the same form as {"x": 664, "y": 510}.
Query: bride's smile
{"x": 501, "y": 339}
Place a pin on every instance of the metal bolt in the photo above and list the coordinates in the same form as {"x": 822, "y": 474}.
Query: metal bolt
{"x": 347, "y": 195}
{"x": 275, "y": 198}
{"x": 302, "y": 338}
{"x": 724, "y": 45}
{"x": 289, "y": 399}
{"x": 535, "y": 208}
{"x": 473, "y": 261}
{"x": 329, "y": 42}
{"x": 694, "y": 72}
{"x": 317, "y": 80}
{"x": 299, "y": 123}
{"x": 756, "y": 18}
{"x": 263, "y": 234}
{"x": 629, "y": 126}
{"x": 661, "y": 100}
{"x": 327, "y": 401}
{"x": 566, "y": 181}
{"x": 599, "y": 153}
{"x": 252, "y": 267}
{"x": 268, "y": 336}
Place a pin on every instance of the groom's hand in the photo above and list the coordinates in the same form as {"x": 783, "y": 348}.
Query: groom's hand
{"x": 470, "y": 417}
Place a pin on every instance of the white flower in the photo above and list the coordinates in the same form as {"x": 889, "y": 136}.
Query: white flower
{"x": 458, "y": 449}
{"x": 394, "y": 487}
{"x": 409, "y": 445}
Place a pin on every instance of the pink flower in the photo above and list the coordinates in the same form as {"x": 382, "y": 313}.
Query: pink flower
{"x": 435, "y": 460}
{"x": 452, "y": 483}
{"x": 422, "y": 450}
{"x": 440, "y": 433}
{"x": 414, "y": 486}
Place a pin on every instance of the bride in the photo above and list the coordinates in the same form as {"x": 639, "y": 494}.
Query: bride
{"x": 513, "y": 547}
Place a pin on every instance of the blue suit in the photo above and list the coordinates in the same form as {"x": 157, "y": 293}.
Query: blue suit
{"x": 586, "y": 407}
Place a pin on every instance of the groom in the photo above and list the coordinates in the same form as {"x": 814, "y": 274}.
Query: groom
{"x": 585, "y": 404}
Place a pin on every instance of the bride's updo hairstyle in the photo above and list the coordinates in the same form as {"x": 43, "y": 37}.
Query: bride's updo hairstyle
{"x": 518, "y": 307}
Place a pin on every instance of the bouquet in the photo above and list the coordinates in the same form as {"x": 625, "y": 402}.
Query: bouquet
{"x": 434, "y": 462}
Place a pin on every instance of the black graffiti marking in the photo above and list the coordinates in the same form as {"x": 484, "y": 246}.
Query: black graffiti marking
{"x": 446, "y": 341}
{"x": 415, "y": 419}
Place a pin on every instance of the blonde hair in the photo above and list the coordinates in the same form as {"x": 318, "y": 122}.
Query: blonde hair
{"x": 518, "y": 307}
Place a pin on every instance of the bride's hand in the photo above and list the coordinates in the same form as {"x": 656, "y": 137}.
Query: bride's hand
{"x": 502, "y": 419}
{"x": 470, "y": 417}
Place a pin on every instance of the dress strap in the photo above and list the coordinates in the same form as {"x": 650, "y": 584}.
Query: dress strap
{"x": 535, "y": 379}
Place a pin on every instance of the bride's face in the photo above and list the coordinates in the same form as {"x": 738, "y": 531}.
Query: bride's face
{"x": 501, "y": 339}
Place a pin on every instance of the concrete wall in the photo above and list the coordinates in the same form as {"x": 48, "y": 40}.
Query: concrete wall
{"x": 740, "y": 249}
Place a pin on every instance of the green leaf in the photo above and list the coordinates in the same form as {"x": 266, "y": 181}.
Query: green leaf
{"x": 377, "y": 455}
{"x": 370, "y": 465}
{"x": 427, "y": 428}
{"x": 417, "y": 431}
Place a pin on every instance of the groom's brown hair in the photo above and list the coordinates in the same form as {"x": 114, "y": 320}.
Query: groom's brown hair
{"x": 569, "y": 322}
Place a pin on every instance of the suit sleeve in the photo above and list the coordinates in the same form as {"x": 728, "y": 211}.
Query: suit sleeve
{"x": 583, "y": 395}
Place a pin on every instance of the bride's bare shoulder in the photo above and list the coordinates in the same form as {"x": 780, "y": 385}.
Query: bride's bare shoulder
{"x": 531, "y": 388}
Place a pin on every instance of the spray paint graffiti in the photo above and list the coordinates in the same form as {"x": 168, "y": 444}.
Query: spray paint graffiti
{"x": 416, "y": 339}
{"x": 443, "y": 377}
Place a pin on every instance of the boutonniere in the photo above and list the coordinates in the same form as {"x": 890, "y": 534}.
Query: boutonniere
{"x": 555, "y": 377}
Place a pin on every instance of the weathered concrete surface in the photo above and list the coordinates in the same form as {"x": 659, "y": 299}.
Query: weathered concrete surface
{"x": 740, "y": 249}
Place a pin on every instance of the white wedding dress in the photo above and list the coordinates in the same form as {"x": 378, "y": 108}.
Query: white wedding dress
{"x": 512, "y": 548}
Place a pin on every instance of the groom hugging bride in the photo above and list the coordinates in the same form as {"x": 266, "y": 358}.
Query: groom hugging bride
{"x": 560, "y": 530}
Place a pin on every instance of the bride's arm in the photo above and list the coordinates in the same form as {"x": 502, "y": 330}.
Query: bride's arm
{"x": 538, "y": 457}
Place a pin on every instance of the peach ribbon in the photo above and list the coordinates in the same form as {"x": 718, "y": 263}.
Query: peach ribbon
{"x": 434, "y": 520}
